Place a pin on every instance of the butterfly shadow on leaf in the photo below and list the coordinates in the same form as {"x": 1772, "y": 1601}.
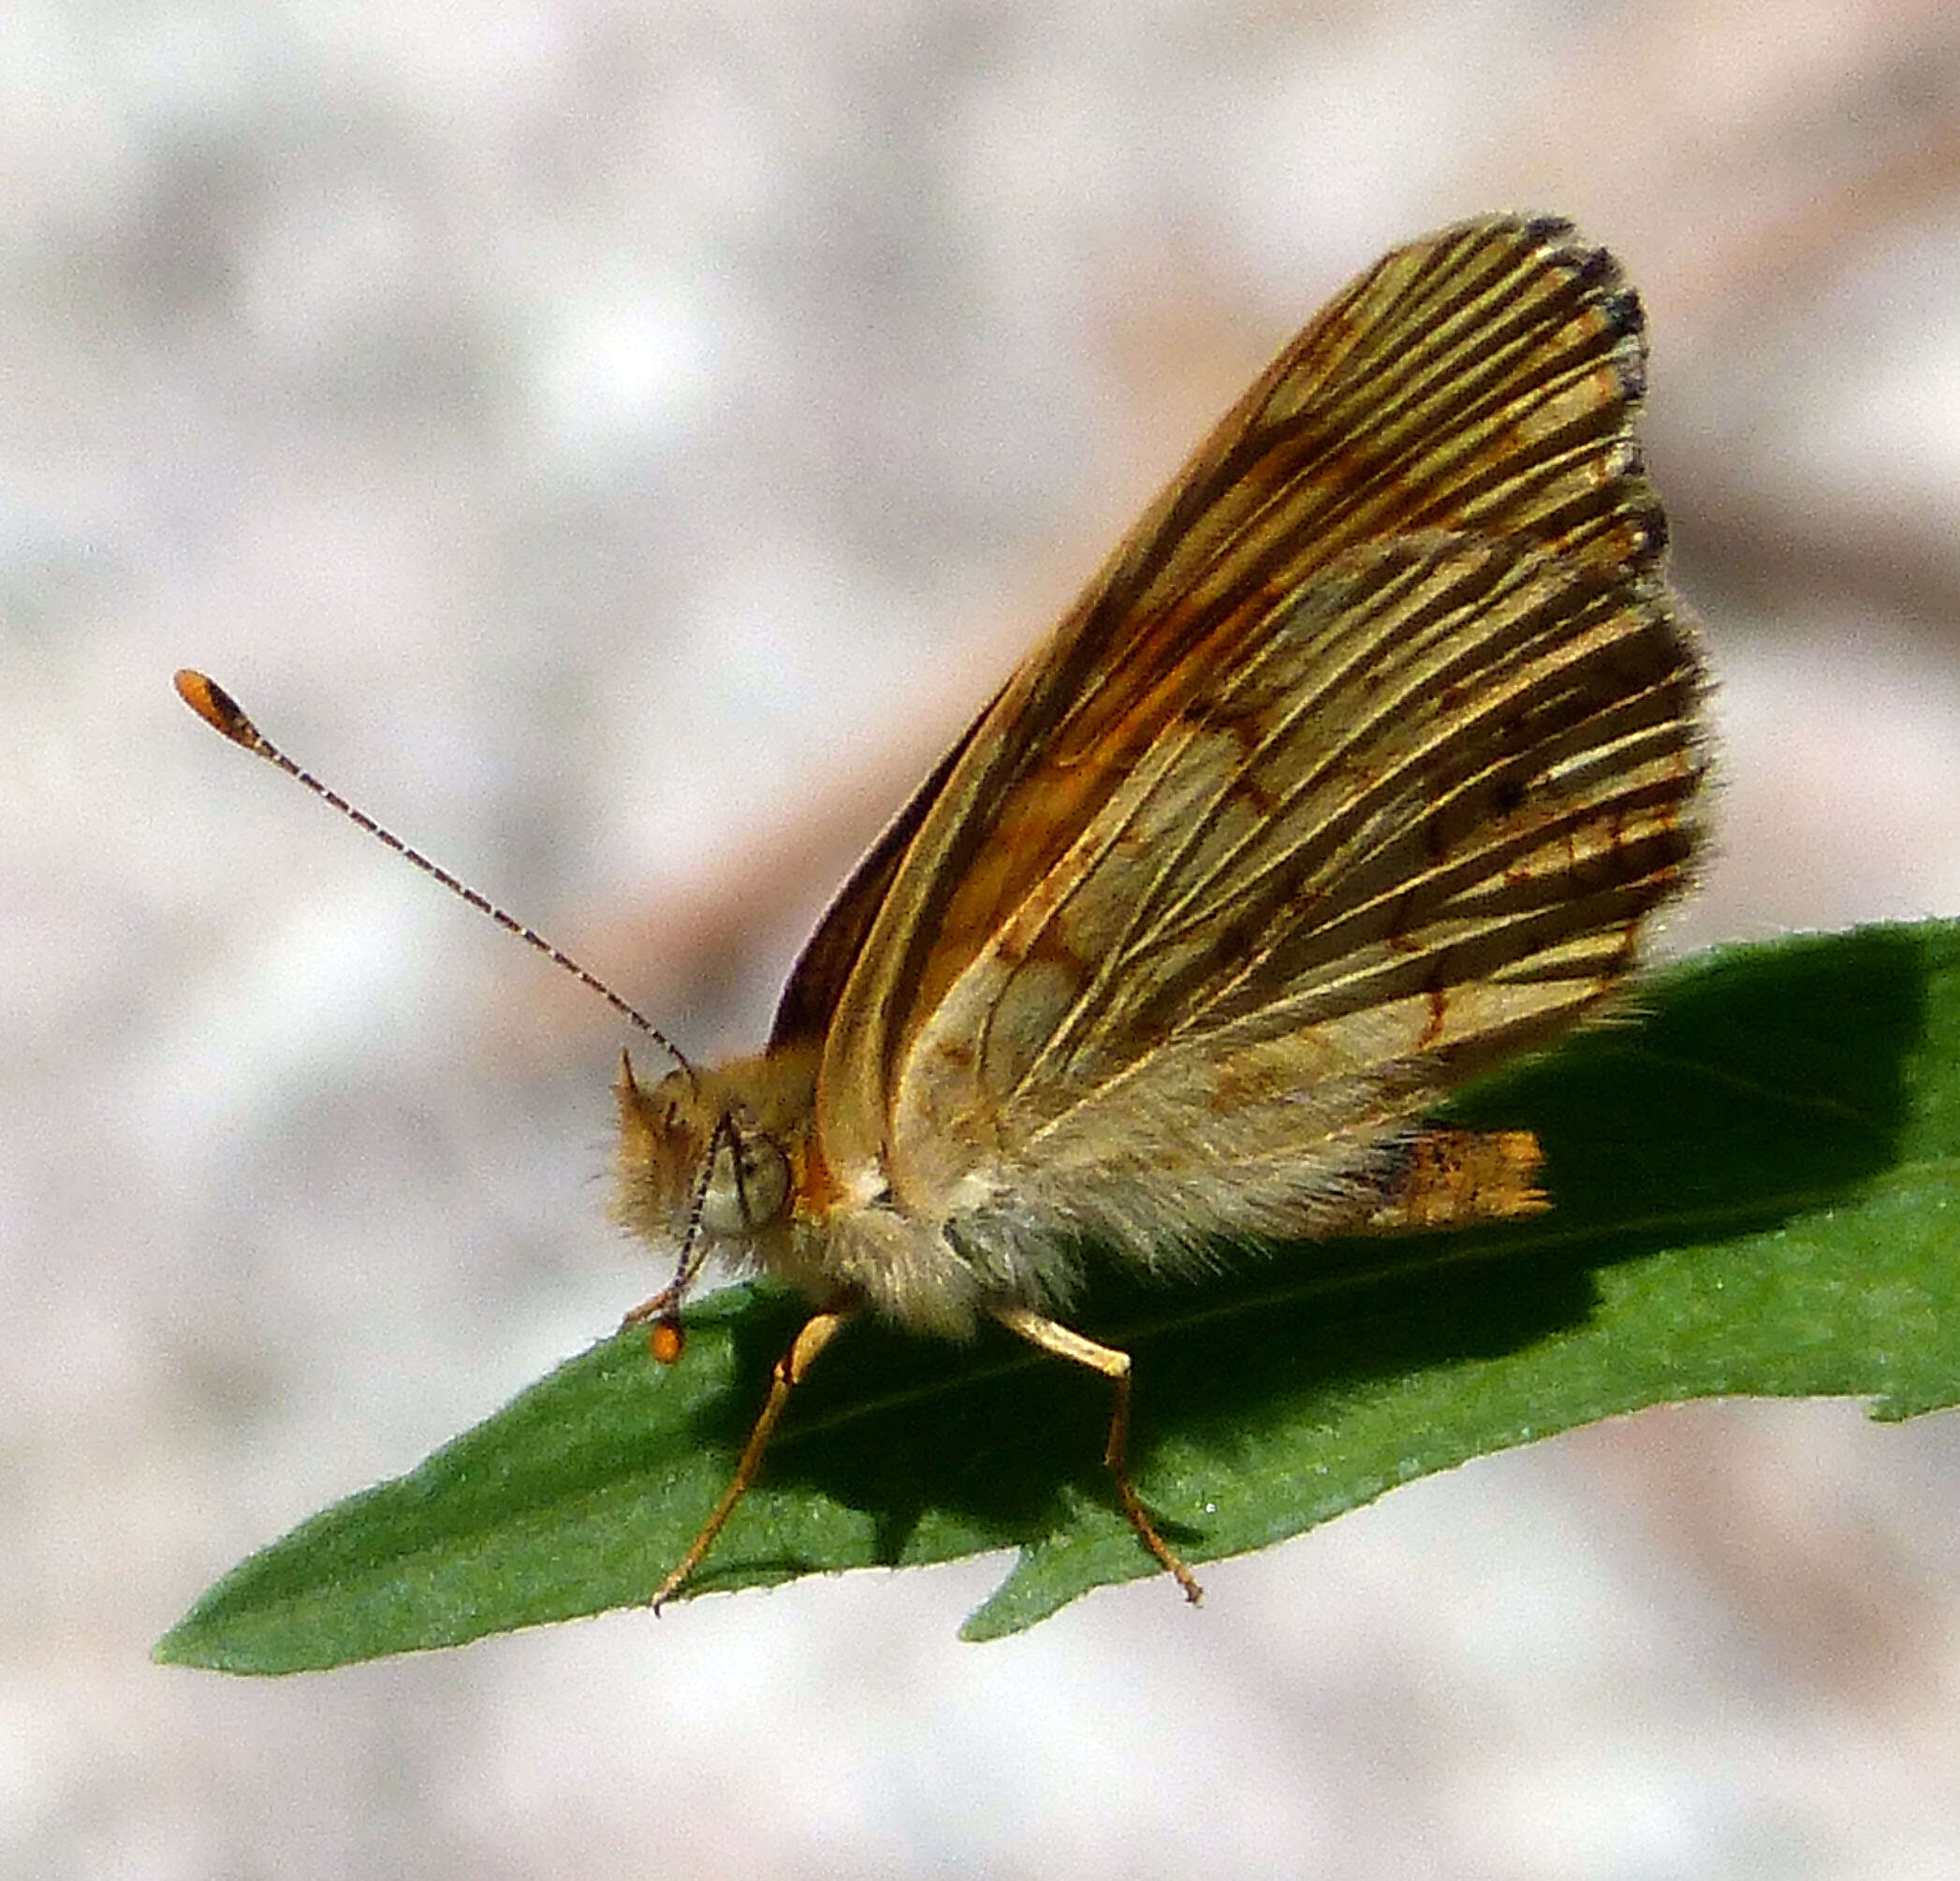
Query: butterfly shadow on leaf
{"x": 1303, "y": 1380}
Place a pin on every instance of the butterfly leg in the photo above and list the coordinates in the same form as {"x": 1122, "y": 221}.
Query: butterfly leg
{"x": 658, "y": 1307}
{"x": 1065, "y": 1343}
{"x": 791, "y": 1369}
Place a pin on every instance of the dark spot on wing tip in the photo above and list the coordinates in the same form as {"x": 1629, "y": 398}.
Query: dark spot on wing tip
{"x": 1553, "y": 231}
{"x": 1621, "y": 308}
{"x": 1597, "y": 272}
{"x": 1591, "y": 266}
{"x": 1596, "y": 268}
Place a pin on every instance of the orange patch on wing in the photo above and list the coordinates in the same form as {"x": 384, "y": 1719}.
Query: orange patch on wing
{"x": 1449, "y": 1179}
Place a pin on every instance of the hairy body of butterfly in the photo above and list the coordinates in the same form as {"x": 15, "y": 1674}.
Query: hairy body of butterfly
{"x": 1356, "y": 769}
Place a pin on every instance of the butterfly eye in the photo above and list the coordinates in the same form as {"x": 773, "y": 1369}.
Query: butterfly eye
{"x": 748, "y": 1188}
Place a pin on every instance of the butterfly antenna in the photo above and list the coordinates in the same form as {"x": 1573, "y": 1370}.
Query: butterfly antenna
{"x": 221, "y": 712}
{"x": 662, "y": 1312}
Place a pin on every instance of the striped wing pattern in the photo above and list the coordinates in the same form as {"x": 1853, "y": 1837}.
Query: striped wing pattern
{"x": 1267, "y": 944}
{"x": 1359, "y": 764}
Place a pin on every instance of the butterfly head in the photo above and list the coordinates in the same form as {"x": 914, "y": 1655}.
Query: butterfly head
{"x": 691, "y": 1163}
{"x": 700, "y": 1165}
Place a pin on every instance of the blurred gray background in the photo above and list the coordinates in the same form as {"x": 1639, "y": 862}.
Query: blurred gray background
{"x": 618, "y": 445}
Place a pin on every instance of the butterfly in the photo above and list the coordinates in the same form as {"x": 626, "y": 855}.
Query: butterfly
{"x": 1358, "y": 767}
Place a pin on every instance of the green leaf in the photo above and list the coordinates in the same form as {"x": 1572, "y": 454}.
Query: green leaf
{"x": 1755, "y": 1189}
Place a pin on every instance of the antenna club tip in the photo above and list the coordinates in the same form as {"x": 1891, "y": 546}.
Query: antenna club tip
{"x": 215, "y": 706}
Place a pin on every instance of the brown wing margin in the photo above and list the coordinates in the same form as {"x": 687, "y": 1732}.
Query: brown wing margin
{"x": 803, "y": 1013}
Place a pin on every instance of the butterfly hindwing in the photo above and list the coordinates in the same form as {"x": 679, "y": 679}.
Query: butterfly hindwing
{"x": 1414, "y": 828}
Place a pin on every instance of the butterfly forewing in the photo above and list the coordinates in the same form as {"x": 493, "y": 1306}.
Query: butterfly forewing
{"x": 1358, "y": 764}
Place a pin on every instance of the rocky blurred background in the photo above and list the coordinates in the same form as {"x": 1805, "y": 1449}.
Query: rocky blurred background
{"x": 617, "y": 445}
